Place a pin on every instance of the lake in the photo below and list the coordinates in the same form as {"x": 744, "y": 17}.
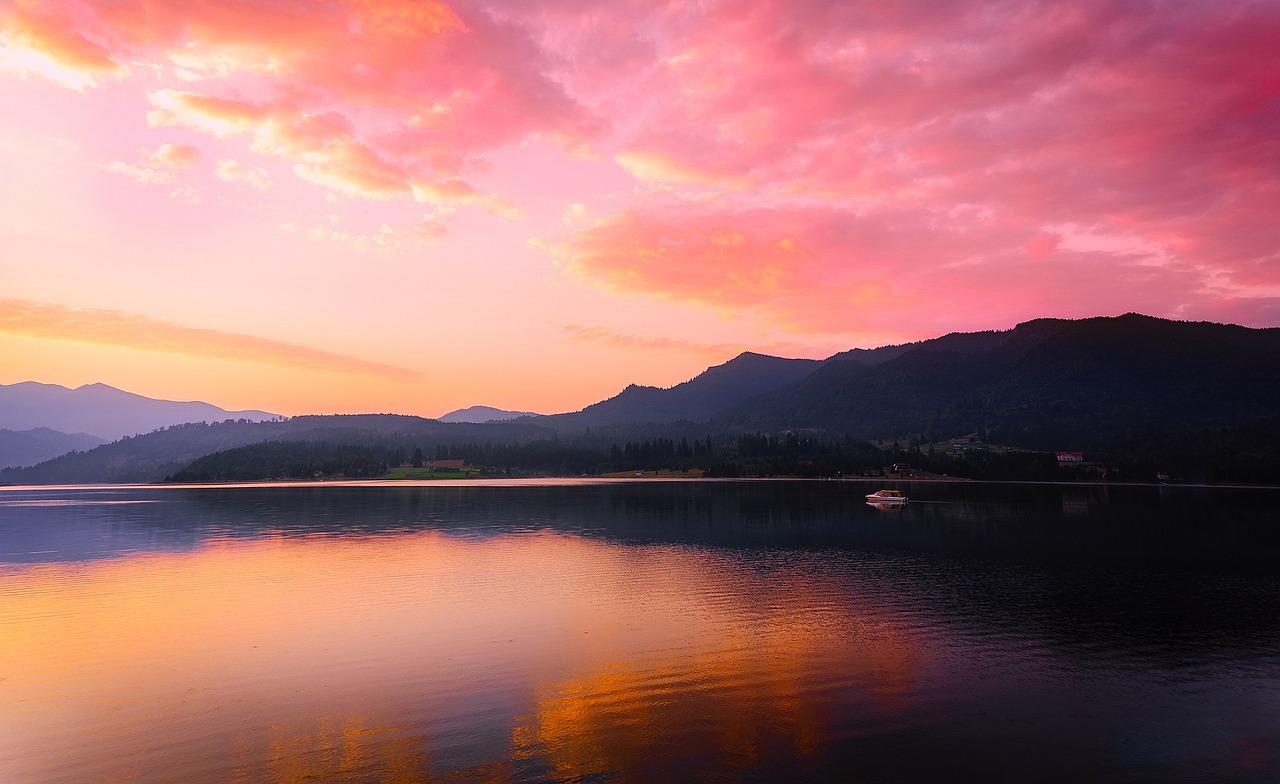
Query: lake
{"x": 640, "y": 631}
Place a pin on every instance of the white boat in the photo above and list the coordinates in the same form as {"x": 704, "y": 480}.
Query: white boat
{"x": 886, "y": 498}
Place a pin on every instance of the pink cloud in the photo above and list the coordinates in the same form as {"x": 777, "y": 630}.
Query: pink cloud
{"x": 231, "y": 170}
{"x": 651, "y": 166}
{"x": 1043, "y": 244}
{"x": 742, "y": 261}
{"x": 419, "y": 90}
{"x": 943, "y": 143}
{"x": 175, "y": 156}
{"x": 385, "y": 239}
{"x": 159, "y": 167}
{"x": 53, "y": 46}
{"x": 830, "y": 166}
{"x": 325, "y": 148}
{"x": 825, "y": 270}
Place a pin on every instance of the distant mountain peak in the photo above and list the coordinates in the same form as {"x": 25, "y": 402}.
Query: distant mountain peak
{"x": 102, "y": 410}
{"x": 480, "y": 414}
{"x": 715, "y": 389}
{"x": 28, "y": 447}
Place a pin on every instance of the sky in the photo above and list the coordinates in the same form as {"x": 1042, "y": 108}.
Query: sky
{"x": 338, "y": 206}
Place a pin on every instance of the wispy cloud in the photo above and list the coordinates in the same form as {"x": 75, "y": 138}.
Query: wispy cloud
{"x": 231, "y": 170}
{"x": 656, "y": 166}
{"x": 159, "y": 167}
{"x": 607, "y": 337}
{"x": 130, "y": 330}
{"x": 385, "y": 240}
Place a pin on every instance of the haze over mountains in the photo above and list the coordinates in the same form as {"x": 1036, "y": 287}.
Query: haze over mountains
{"x": 1125, "y": 383}
{"x": 28, "y": 447}
{"x": 101, "y": 410}
{"x": 40, "y": 421}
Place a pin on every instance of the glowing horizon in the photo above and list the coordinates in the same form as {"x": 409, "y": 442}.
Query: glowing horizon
{"x": 414, "y": 207}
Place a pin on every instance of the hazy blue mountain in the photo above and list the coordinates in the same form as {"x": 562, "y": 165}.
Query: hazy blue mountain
{"x": 153, "y": 456}
{"x": 715, "y": 390}
{"x": 28, "y": 447}
{"x": 480, "y": 414}
{"x": 101, "y": 410}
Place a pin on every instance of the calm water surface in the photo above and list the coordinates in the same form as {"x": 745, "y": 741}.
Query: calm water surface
{"x": 639, "y": 632}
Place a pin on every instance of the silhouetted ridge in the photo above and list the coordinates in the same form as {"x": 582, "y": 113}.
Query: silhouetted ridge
{"x": 715, "y": 390}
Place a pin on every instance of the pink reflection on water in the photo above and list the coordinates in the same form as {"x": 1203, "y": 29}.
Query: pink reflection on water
{"x": 285, "y": 658}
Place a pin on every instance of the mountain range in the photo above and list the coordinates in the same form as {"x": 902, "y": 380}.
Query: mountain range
{"x": 41, "y": 421}
{"x": 101, "y": 410}
{"x": 1043, "y": 384}
{"x": 1116, "y": 384}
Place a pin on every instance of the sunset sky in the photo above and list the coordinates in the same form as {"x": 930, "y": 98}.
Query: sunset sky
{"x": 318, "y": 206}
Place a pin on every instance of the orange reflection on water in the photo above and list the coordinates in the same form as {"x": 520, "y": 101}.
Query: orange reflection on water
{"x": 346, "y": 748}
{"x": 741, "y": 690}
{"x": 339, "y": 656}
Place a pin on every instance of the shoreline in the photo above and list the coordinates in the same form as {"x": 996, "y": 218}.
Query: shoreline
{"x": 565, "y": 481}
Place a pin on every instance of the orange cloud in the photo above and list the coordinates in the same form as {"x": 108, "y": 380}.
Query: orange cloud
{"x": 157, "y": 168}
{"x": 747, "y": 261}
{"x": 689, "y": 258}
{"x": 823, "y": 270}
{"x": 130, "y": 330}
{"x": 657, "y": 166}
{"x": 455, "y": 190}
{"x": 325, "y": 147}
{"x": 35, "y": 40}
{"x": 231, "y": 170}
{"x": 174, "y": 156}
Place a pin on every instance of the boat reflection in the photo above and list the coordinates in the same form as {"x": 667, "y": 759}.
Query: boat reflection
{"x": 887, "y": 499}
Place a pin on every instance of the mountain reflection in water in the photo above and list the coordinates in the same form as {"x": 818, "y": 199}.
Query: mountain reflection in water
{"x": 657, "y": 632}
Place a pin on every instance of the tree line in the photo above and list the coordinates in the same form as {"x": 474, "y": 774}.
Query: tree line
{"x": 747, "y": 455}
